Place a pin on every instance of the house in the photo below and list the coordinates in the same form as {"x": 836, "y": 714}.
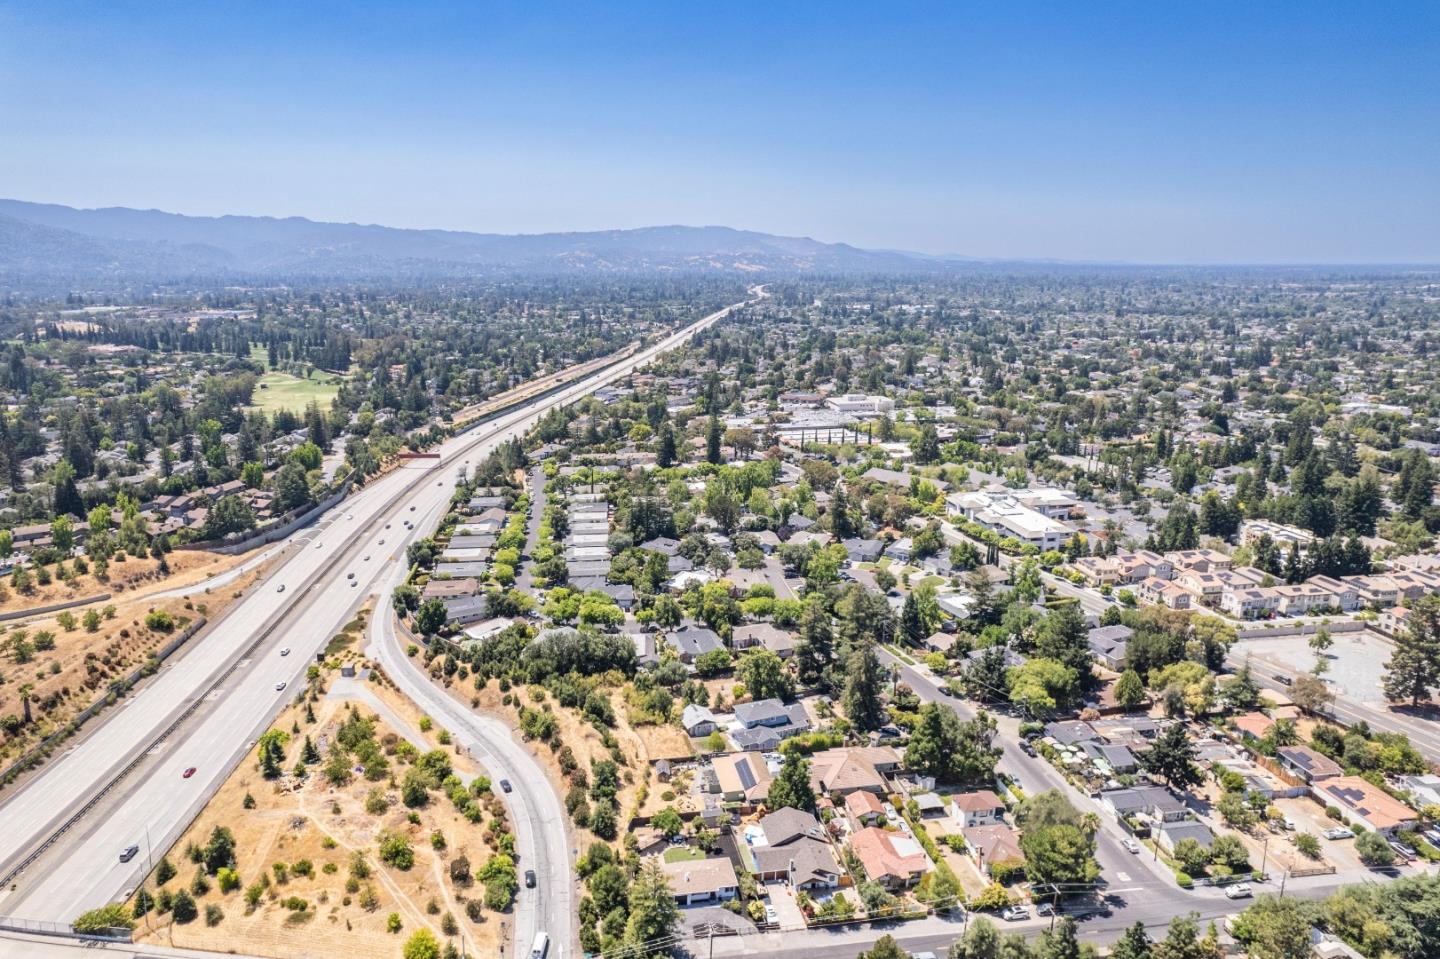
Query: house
{"x": 464, "y": 610}
{"x": 893, "y": 859}
{"x": 1152, "y": 802}
{"x": 1160, "y": 592}
{"x": 701, "y": 880}
{"x": 692, "y": 642}
{"x": 742, "y": 777}
{"x": 1253, "y": 725}
{"x": 766, "y": 635}
{"x": 864, "y": 809}
{"x": 1375, "y": 808}
{"x": 1343, "y": 595}
{"x": 1117, "y": 757}
{"x": 1394, "y": 620}
{"x": 786, "y": 825}
{"x": 698, "y": 720}
{"x": 767, "y": 712}
{"x": 1306, "y": 764}
{"x": 845, "y": 769}
{"x": 1107, "y": 644}
{"x": 863, "y": 550}
{"x": 450, "y": 588}
{"x": 979, "y": 808}
{"x": 805, "y": 862}
{"x": 994, "y": 845}
{"x": 1168, "y": 835}
{"x": 1071, "y": 733}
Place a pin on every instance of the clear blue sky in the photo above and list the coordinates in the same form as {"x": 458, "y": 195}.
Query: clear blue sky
{"x": 1157, "y": 132}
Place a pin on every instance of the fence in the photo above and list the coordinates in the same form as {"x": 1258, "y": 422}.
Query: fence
{"x": 53, "y": 607}
{"x": 38, "y": 927}
{"x": 277, "y": 529}
{"x": 112, "y": 695}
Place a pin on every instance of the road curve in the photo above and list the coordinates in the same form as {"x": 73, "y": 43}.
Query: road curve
{"x": 206, "y": 709}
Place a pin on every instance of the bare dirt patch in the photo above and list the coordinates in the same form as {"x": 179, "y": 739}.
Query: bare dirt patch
{"x": 317, "y": 830}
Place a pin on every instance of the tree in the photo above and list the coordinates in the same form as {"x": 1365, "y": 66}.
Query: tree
{"x": 1192, "y": 856}
{"x": 1374, "y": 850}
{"x": 712, "y": 441}
{"x": 421, "y": 945}
{"x": 219, "y": 852}
{"x": 791, "y": 787}
{"x": 815, "y": 650}
{"x": 1172, "y": 757}
{"x": 981, "y": 940}
{"x": 1241, "y": 692}
{"x": 182, "y": 907}
{"x": 271, "y": 750}
{"x": 764, "y": 675}
{"x": 1183, "y": 941}
{"x": 431, "y": 616}
{"x": 665, "y": 447}
{"x": 1042, "y": 686}
{"x": 668, "y": 822}
{"x": 654, "y": 916}
{"x": 1414, "y": 667}
{"x": 1310, "y": 693}
{"x": 861, "y": 700}
{"x": 952, "y": 750}
{"x": 885, "y": 948}
{"x": 230, "y": 514}
{"x": 1129, "y": 690}
{"x": 1275, "y": 928}
{"x": 1058, "y": 841}
{"x": 1134, "y": 944}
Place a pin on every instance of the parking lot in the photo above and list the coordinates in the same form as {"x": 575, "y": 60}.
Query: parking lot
{"x": 1357, "y": 661}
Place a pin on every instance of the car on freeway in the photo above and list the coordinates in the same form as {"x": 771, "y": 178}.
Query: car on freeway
{"x": 365, "y": 560}
{"x": 318, "y": 545}
{"x": 505, "y": 785}
{"x": 1339, "y": 832}
{"x": 188, "y": 773}
{"x": 354, "y": 582}
{"x": 129, "y": 853}
{"x": 387, "y": 525}
{"x": 285, "y": 651}
{"x": 1015, "y": 914}
{"x": 412, "y": 509}
{"x": 529, "y": 879}
{"x": 279, "y": 686}
{"x": 280, "y": 588}
{"x": 1240, "y": 890}
{"x": 382, "y": 542}
{"x": 350, "y": 575}
{"x": 1131, "y": 846}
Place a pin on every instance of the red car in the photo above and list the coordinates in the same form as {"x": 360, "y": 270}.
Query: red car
{"x": 188, "y": 773}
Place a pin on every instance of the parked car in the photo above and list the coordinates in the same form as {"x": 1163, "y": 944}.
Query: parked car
{"x": 1339, "y": 832}
{"x": 1131, "y": 846}
{"x": 1241, "y": 890}
{"x": 1404, "y": 851}
{"x": 1044, "y": 909}
{"x": 1015, "y": 914}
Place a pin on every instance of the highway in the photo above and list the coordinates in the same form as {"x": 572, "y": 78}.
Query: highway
{"x": 122, "y": 782}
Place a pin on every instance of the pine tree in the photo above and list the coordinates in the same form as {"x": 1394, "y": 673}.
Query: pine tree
{"x": 1129, "y": 690}
{"x": 1414, "y": 667}
{"x": 791, "y": 788}
{"x": 863, "y": 688}
{"x": 712, "y": 440}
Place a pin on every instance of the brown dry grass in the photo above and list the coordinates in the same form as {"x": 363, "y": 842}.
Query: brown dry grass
{"x": 128, "y": 576}
{"x": 310, "y": 819}
{"x": 83, "y": 664}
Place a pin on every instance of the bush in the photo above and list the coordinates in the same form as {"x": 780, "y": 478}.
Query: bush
{"x": 160, "y": 621}
{"x": 113, "y": 916}
{"x": 395, "y": 850}
{"x": 183, "y": 907}
{"x": 1184, "y": 880}
{"x": 421, "y": 945}
{"x": 392, "y": 922}
{"x": 214, "y": 915}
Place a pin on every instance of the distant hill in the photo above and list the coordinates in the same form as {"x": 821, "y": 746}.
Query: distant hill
{"x": 48, "y": 243}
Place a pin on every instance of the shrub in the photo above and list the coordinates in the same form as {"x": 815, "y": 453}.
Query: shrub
{"x": 1184, "y": 880}
{"x": 214, "y": 915}
{"x": 392, "y": 923}
{"x": 113, "y": 916}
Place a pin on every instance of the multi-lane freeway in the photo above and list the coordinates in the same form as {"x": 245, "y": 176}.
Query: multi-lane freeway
{"x": 123, "y": 782}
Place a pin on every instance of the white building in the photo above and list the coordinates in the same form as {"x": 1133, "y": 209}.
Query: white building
{"x": 1006, "y": 515}
{"x": 860, "y": 404}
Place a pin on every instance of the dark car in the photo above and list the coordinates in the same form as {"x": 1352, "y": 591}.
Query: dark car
{"x": 505, "y": 785}
{"x": 529, "y": 879}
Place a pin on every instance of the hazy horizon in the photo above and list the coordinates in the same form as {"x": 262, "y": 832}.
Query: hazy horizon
{"x": 1127, "y": 135}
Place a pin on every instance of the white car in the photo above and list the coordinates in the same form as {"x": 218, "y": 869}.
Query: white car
{"x": 1015, "y": 913}
{"x": 279, "y": 687}
{"x": 1339, "y": 832}
{"x": 280, "y": 588}
{"x": 285, "y": 651}
{"x": 1131, "y": 846}
{"x": 1238, "y": 891}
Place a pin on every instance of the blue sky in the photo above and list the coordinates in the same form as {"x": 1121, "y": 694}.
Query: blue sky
{"x": 1204, "y": 132}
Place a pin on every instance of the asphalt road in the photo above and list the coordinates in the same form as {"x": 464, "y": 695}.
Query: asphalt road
{"x": 1424, "y": 732}
{"x": 123, "y": 782}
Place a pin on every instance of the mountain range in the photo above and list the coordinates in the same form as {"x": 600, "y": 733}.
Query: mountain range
{"x": 45, "y": 244}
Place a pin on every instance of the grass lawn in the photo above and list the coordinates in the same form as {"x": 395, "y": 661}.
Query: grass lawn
{"x": 278, "y": 391}
{"x": 683, "y": 854}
